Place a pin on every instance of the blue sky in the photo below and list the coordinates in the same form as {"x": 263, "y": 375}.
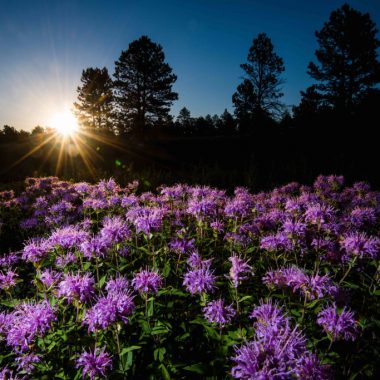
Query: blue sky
{"x": 45, "y": 45}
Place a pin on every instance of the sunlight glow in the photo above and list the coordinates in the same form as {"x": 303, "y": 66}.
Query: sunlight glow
{"x": 64, "y": 123}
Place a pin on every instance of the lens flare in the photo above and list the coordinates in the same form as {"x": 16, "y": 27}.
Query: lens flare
{"x": 64, "y": 123}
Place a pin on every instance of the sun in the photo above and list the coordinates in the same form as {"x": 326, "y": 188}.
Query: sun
{"x": 64, "y": 123}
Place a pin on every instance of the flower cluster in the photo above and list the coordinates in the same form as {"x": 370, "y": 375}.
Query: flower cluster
{"x": 277, "y": 351}
{"x": 311, "y": 287}
{"x": 200, "y": 278}
{"x": 76, "y": 287}
{"x": 26, "y": 322}
{"x": 8, "y": 279}
{"x": 217, "y": 312}
{"x": 339, "y": 325}
{"x": 147, "y": 281}
{"x": 95, "y": 363}
{"x": 108, "y": 310}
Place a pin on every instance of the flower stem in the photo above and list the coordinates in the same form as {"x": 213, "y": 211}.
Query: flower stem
{"x": 350, "y": 266}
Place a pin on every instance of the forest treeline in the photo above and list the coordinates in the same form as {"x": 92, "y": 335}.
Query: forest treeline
{"x": 332, "y": 129}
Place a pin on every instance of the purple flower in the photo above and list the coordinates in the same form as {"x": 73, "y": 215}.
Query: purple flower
{"x": 9, "y": 259}
{"x": 5, "y": 320}
{"x": 237, "y": 238}
{"x": 95, "y": 363}
{"x": 76, "y": 287}
{"x": 109, "y": 185}
{"x": 68, "y": 237}
{"x": 329, "y": 249}
{"x": 147, "y": 281}
{"x": 203, "y": 207}
{"x": 173, "y": 193}
{"x": 65, "y": 260}
{"x": 49, "y": 277}
{"x": 309, "y": 367}
{"x": 36, "y": 250}
{"x": 319, "y": 287}
{"x": 146, "y": 219}
{"x": 29, "y": 223}
{"x": 61, "y": 207}
{"x": 116, "y": 285}
{"x": 271, "y": 356}
{"x": 311, "y": 287}
{"x": 339, "y": 325}
{"x": 277, "y": 242}
{"x": 129, "y": 200}
{"x": 8, "y": 280}
{"x": 82, "y": 187}
{"x": 359, "y": 244}
{"x": 95, "y": 203}
{"x": 217, "y": 312}
{"x": 217, "y": 225}
{"x": 95, "y": 246}
{"x": 108, "y": 310}
{"x": 319, "y": 214}
{"x": 239, "y": 270}
{"x": 277, "y": 351}
{"x": 268, "y": 314}
{"x": 199, "y": 280}
{"x": 294, "y": 228}
{"x": 181, "y": 245}
{"x": 27, "y": 362}
{"x": 294, "y": 206}
{"x": 239, "y": 207}
{"x": 196, "y": 262}
{"x": 114, "y": 230}
{"x": 362, "y": 217}
{"x": 292, "y": 277}
{"x": 26, "y": 322}
{"x": 7, "y": 374}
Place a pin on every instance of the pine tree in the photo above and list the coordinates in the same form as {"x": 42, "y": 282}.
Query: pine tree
{"x": 227, "y": 123}
{"x": 184, "y": 119}
{"x": 311, "y": 104}
{"x": 257, "y": 97}
{"x": 143, "y": 86}
{"x": 94, "y": 108}
{"x": 347, "y": 66}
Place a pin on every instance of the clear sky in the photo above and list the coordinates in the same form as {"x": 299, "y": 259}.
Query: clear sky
{"x": 45, "y": 45}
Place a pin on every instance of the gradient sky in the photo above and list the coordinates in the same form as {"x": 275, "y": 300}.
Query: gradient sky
{"x": 45, "y": 45}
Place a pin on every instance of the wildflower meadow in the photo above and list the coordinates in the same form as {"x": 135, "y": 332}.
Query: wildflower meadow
{"x": 185, "y": 282}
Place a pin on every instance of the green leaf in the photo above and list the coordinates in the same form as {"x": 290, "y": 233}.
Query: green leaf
{"x": 159, "y": 353}
{"x": 197, "y": 368}
{"x": 245, "y": 298}
{"x": 312, "y": 304}
{"x": 183, "y": 337}
{"x": 102, "y": 281}
{"x": 212, "y": 332}
{"x": 166, "y": 269}
{"x": 350, "y": 285}
{"x": 129, "y": 349}
{"x": 164, "y": 371}
{"x": 10, "y": 303}
{"x": 159, "y": 330}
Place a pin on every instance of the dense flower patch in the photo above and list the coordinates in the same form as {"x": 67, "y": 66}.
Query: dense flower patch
{"x": 189, "y": 282}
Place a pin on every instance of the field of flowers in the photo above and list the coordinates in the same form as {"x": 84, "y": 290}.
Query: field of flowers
{"x": 99, "y": 281}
